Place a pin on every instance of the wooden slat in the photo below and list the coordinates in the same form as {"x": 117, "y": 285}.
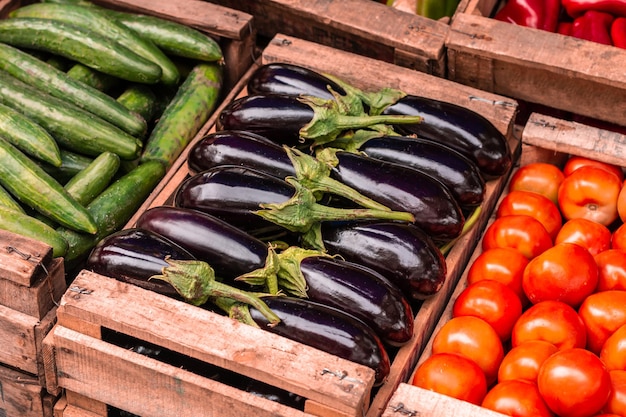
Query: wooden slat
{"x": 21, "y": 395}
{"x": 21, "y": 258}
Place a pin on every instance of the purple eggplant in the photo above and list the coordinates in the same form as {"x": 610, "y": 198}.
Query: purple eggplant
{"x": 401, "y": 187}
{"x": 230, "y": 251}
{"x": 239, "y": 148}
{"x": 402, "y": 253}
{"x": 457, "y": 127}
{"x": 293, "y": 80}
{"x": 134, "y": 256}
{"x": 328, "y": 329}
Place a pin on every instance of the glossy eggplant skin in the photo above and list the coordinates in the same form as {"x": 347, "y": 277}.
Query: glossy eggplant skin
{"x": 238, "y": 147}
{"x": 133, "y": 256}
{"x": 453, "y": 169}
{"x": 401, "y": 252}
{"x": 230, "y": 251}
{"x": 232, "y": 194}
{"x": 328, "y": 329}
{"x": 361, "y": 292}
{"x": 457, "y": 127}
{"x": 403, "y": 188}
{"x": 293, "y": 80}
{"x": 274, "y": 116}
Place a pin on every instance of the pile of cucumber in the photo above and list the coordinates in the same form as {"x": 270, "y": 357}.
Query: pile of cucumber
{"x": 95, "y": 106}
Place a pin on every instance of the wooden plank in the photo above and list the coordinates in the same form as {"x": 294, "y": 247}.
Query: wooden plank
{"x": 22, "y": 258}
{"x": 21, "y": 395}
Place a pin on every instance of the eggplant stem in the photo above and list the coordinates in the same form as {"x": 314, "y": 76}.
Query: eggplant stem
{"x": 471, "y": 220}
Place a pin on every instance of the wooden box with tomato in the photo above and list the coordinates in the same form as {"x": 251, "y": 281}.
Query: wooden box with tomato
{"x": 544, "y": 67}
{"x": 544, "y": 289}
{"x": 98, "y": 309}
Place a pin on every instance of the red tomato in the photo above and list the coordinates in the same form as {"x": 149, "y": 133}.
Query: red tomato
{"x": 594, "y": 236}
{"x": 611, "y": 270}
{"x": 473, "y": 338}
{"x": 518, "y": 231}
{"x": 552, "y": 321}
{"x": 565, "y": 272}
{"x": 602, "y": 313}
{"x": 618, "y": 240}
{"x": 621, "y": 203}
{"x": 517, "y": 398}
{"x": 523, "y": 361}
{"x": 491, "y": 301}
{"x": 532, "y": 204}
{"x": 452, "y": 375}
{"x": 539, "y": 177}
{"x": 505, "y": 265}
{"x": 590, "y": 193}
{"x": 616, "y": 404}
{"x": 574, "y": 383}
{"x": 613, "y": 352}
{"x": 574, "y": 162}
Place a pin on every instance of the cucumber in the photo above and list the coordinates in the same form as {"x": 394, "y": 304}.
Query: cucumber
{"x": 57, "y": 83}
{"x": 112, "y": 209}
{"x": 59, "y": 62}
{"x": 25, "y": 225}
{"x": 93, "y": 78}
{"x": 185, "y": 114}
{"x": 81, "y": 45}
{"x": 141, "y": 99}
{"x": 7, "y": 200}
{"x": 28, "y": 136}
{"x": 71, "y": 164}
{"x": 93, "y": 19}
{"x": 73, "y": 128}
{"x": 31, "y": 185}
{"x": 94, "y": 179}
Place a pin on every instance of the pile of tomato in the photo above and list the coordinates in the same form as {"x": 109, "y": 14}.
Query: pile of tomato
{"x": 540, "y": 328}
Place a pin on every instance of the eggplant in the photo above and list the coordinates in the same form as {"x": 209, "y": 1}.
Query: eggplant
{"x": 328, "y": 329}
{"x": 457, "y": 172}
{"x": 230, "y": 251}
{"x": 134, "y": 255}
{"x": 235, "y": 147}
{"x": 401, "y": 187}
{"x": 293, "y": 80}
{"x": 457, "y": 127}
{"x": 402, "y": 253}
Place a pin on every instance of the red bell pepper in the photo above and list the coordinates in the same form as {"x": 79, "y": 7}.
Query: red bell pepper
{"x": 564, "y": 28}
{"x": 576, "y": 8}
{"x": 593, "y": 26}
{"x": 618, "y": 32}
{"x": 538, "y": 14}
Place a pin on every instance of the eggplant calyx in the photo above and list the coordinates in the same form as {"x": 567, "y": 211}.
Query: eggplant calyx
{"x": 267, "y": 276}
{"x": 236, "y": 311}
{"x": 470, "y": 221}
{"x": 195, "y": 281}
{"x": 290, "y": 275}
{"x": 315, "y": 175}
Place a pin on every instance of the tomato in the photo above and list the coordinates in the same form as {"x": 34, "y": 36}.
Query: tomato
{"x": 532, "y": 204}
{"x": 575, "y": 161}
{"x": 613, "y": 352}
{"x": 453, "y": 375}
{"x": 473, "y": 338}
{"x": 517, "y": 398}
{"x": 621, "y": 203}
{"x": 517, "y": 231}
{"x": 618, "y": 240}
{"x": 574, "y": 383}
{"x": 594, "y": 236}
{"x": 505, "y": 265}
{"x": 565, "y": 272}
{"x": 611, "y": 270}
{"x": 616, "y": 403}
{"x": 602, "y": 313}
{"x": 590, "y": 193}
{"x": 523, "y": 361}
{"x": 552, "y": 321}
{"x": 539, "y": 177}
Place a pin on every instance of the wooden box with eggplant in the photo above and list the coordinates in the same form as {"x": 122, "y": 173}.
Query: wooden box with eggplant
{"x": 279, "y": 219}
{"x": 552, "y": 149}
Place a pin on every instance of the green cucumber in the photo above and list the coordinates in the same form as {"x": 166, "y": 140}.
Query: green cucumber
{"x": 73, "y": 128}
{"x": 7, "y": 200}
{"x": 57, "y": 83}
{"x": 94, "y": 179}
{"x": 113, "y": 208}
{"x": 28, "y": 136}
{"x": 31, "y": 185}
{"x": 185, "y": 114}
{"x": 79, "y": 44}
{"x": 93, "y": 78}
{"x": 140, "y": 99}
{"x": 93, "y": 19}
{"x": 22, "y": 224}
{"x": 71, "y": 164}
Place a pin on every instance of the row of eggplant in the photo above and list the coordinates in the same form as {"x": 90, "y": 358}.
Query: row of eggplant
{"x": 334, "y": 204}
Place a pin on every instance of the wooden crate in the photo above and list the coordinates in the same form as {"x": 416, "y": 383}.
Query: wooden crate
{"x": 368, "y": 74}
{"x": 544, "y": 139}
{"x": 561, "y": 72}
{"x": 22, "y": 395}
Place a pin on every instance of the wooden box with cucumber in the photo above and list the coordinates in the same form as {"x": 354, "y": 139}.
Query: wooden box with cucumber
{"x": 187, "y": 353}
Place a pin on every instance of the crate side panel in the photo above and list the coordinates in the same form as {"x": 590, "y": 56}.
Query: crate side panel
{"x": 21, "y": 258}
{"x": 21, "y": 395}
